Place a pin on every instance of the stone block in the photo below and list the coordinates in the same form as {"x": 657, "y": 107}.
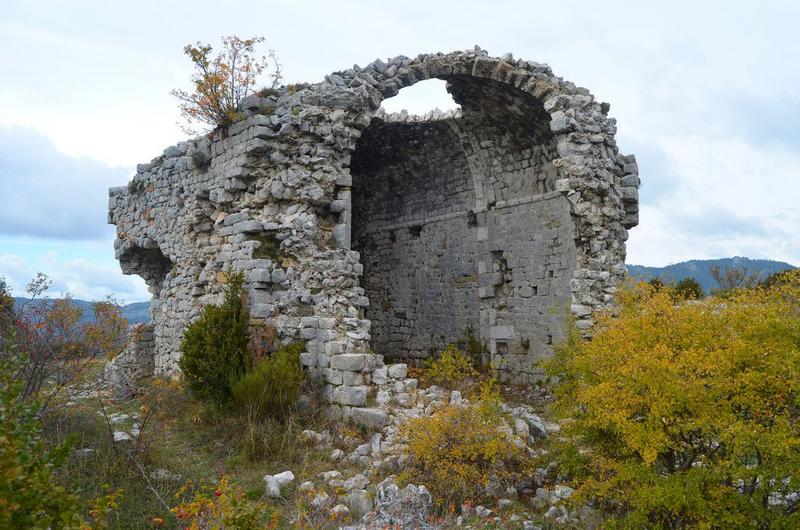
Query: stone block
{"x": 352, "y": 378}
{"x": 354, "y": 396}
{"x": 380, "y": 376}
{"x": 397, "y": 371}
{"x": 371, "y": 418}
{"x": 334, "y": 348}
{"x": 490, "y": 279}
{"x": 352, "y": 362}
{"x": 501, "y": 332}
{"x": 308, "y": 359}
{"x": 332, "y": 376}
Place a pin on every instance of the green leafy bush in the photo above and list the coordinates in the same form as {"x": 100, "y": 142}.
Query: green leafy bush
{"x": 29, "y": 495}
{"x": 271, "y": 388}
{"x": 214, "y": 347}
{"x": 686, "y": 289}
{"x": 452, "y": 369}
{"x": 689, "y": 289}
{"x": 687, "y": 415}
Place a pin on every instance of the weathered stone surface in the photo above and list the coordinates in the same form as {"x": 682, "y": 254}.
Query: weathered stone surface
{"x": 349, "y": 361}
{"x": 364, "y": 232}
{"x": 372, "y": 418}
{"x": 274, "y": 483}
{"x": 406, "y": 508}
{"x": 133, "y": 363}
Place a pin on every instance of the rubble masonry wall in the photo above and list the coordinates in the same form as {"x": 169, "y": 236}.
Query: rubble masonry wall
{"x": 367, "y": 234}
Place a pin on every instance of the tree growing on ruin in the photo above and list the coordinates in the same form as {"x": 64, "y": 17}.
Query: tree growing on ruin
{"x": 221, "y": 81}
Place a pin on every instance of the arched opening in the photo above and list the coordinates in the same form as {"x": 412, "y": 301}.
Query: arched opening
{"x": 421, "y": 98}
{"x": 458, "y": 227}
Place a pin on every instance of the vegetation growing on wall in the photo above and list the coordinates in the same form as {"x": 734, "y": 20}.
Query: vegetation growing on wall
{"x": 221, "y": 81}
{"x": 452, "y": 368}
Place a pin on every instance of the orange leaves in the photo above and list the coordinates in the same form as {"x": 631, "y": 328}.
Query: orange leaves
{"x": 226, "y": 506}
{"x": 458, "y": 450}
{"x": 221, "y": 81}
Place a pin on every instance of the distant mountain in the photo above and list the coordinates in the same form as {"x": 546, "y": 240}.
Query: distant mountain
{"x": 699, "y": 269}
{"x": 136, "y": 313}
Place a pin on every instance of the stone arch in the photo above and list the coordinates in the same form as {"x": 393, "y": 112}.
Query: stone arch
{"x": 458, "y": 223}
{"x": 285, "y": 170}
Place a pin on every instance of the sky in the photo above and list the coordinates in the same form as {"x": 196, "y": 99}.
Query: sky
{"x": 705, "y": 94}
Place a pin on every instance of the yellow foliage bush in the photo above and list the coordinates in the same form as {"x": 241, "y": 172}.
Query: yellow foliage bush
{"x": 687, "y": 414}
{"x": 452, "y": 369}
{"x": 458, "y": 451}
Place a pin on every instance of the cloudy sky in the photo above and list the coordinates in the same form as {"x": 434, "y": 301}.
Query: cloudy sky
{"x": 705, "y": 94}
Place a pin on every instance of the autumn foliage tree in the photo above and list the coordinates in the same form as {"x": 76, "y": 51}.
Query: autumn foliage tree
{"x": 731, "y": 278}
{"x": 687, "y": 415}
{"x": 221, "y": 81}
{"x": 55, "y": 335}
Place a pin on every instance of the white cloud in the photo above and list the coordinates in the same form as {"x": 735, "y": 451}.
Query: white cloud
{"x": 48, "y": 194}
{"x": 707, "y": 102}
{"x": 729, "y": 197}
{"x": 16, "y": 273}
{"x": 83, "y": 279}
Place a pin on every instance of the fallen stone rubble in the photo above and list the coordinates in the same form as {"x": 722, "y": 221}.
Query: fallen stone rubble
{"x": 373, "y": 502}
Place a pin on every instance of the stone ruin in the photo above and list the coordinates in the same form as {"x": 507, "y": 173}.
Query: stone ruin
{"x": 374, "y": 235}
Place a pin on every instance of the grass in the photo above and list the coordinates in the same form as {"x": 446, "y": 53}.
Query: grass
{"x": 188, "y": 437}
{"x": 201, "y": 442}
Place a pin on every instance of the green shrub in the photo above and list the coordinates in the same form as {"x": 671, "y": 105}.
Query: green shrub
{"x": 29, "y": 496}
{"x": 689, "y": 289}
{"x": 656, "y": 283}
{"x": 214, "y": 347}
{"x": 686, "y": 289}
{"x": 687, "y": 415}
{"x": 271, "y": 388}
{"x": 452, "y": 369}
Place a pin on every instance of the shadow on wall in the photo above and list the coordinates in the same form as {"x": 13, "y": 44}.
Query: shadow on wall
{"x": 457, "y": 227}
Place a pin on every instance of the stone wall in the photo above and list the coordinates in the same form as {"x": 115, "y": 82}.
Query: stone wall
{"x": 135, "y": 362}
{"x": 357, "y": 229}
{"x": 442, "y": 262}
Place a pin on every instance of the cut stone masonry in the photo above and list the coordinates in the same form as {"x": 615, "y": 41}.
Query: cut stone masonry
{"x": 372, "y": 235}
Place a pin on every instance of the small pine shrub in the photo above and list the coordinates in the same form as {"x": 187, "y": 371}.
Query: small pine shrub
{"x": 214, "y": 347}
{"x": 452, "y": 369}
{"x": 271, "y": 388}
{"x": 459, "y": 451}
{"x": 656, "y": 283}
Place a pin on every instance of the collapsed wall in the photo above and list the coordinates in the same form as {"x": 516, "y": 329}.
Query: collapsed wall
{"x": 365, "y": 233}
